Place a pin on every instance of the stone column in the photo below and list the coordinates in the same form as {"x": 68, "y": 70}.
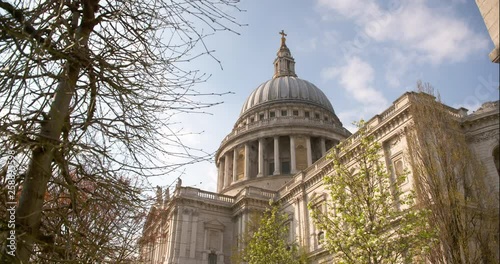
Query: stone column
{"x": 261, "y": 157}
{"x": 227, "y": 173}
{"x": 323, "y": 146}
{"x": 309, "y": 151}
{"x": 246, "y": 171}
{"x": 235, "y": 164}
{"x": 221, "y": 177}
{"x": 276, "y": 155}
{"x": 293, "y": 160}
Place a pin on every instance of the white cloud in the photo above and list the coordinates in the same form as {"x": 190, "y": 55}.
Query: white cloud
{"x": 350, "y": 8}
{"x": 435, "y": 33}
{"x": 347, "y": 118}
{"x": 356, "y": 77}
{"x": 398, "y": 66}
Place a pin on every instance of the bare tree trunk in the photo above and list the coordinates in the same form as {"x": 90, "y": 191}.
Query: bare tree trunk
{"x": 449, "y": 180}
{"x": 28, "y": 213}
{"x": 39, "y": 171}
{"x": 74, "y": 92}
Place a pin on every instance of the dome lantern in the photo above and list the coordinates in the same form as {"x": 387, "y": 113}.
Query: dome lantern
{"x": 284, "y": 64}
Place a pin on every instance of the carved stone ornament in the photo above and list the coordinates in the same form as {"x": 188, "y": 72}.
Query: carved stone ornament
{"x": 397, "y": 137}
{"x": 485, "y": 136}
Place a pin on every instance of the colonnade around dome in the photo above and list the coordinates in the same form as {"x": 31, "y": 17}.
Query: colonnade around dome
{"x": 270, "y": 156}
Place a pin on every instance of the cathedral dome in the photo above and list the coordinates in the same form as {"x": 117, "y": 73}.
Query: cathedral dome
{"x": 285, "y": 125}
{"x": 287, "y": 89}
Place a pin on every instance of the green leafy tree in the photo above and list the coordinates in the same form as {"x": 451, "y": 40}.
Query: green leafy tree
{"x": 369, "y": 219}
{"x": 266, "y": 241}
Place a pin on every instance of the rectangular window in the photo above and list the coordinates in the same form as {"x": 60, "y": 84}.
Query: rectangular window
{"x": 306, "y": 114}
{"x": 261, "y": 117}
{"x": 252, "y": 119}
{"x": 270, "y": 171}
{"x": 316, "y": 115}
{"x": 321, "y": 237}
{"x": 272, "y": 114}
{"x": 283, "y": 112}
{"x": 285, "y": 167}
{"x": 212, "y": 258}
{"x": 214, "y": 239}
{"x": 296, "y": 112}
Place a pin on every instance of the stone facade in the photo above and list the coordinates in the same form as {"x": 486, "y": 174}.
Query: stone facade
{"x": 276, "y": 151}
{"x": 490, "y": 11}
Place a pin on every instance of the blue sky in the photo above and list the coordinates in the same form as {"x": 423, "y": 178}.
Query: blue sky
{"x": 362, "y": 53}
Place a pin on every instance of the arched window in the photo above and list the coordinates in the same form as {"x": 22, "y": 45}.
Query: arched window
{"x": 398, "y": 167}
{"x": 496, "y": 159}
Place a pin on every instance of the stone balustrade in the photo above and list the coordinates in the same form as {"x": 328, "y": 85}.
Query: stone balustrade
{"x": 205, "y": 195}
{"x": 247, "y": 192}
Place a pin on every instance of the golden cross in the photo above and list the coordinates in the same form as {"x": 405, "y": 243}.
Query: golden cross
{"x": 282, "y": 33}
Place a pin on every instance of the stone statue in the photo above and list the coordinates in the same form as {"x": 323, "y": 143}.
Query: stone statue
{"x": 167, "y": 195}
{"x": 158, "y": 195}
{"x": 179, "y": 183}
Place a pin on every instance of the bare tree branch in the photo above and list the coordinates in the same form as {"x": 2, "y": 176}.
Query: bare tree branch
{"x": 89, "y": 90}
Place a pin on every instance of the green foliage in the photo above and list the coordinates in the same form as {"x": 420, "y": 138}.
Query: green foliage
{"x": 268, "y": 242}
{"x": 369, "y": 219}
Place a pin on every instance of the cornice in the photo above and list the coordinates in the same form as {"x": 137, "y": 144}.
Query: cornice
{"x": 478, "y": 118}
